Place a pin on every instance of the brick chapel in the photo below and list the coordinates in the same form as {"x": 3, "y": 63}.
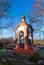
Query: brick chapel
{"x": 24, "y": 37}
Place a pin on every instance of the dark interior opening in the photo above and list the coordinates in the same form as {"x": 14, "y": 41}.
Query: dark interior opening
{"x": 21, "y": 45}
{"x": 21, "y": 39}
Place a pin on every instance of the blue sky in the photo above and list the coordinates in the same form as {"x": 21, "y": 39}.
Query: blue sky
{"x": 18, "y": 8}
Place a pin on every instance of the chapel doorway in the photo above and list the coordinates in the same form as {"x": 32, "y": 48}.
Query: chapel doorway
{"x": 21, "y": 39}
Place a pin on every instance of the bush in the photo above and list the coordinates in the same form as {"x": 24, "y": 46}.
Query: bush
{"x": 35, "y": 57}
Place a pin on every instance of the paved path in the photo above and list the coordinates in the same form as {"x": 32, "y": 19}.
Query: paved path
{"x": 21, "y": 61}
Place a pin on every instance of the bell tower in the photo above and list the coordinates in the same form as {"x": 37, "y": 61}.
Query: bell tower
{"x": 24, "y": 37}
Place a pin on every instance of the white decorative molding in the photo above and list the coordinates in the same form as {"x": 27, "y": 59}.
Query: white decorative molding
{"x": 21, "y": 28}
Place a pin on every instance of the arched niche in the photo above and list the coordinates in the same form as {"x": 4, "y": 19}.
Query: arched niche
{"x": 21, "y": 39}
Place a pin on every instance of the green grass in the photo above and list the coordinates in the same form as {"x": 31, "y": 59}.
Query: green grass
{"x": 9, "y": 62}
{"x": 19, "y": 63}
{"x": 19, "y": 56}
{"x": 11, "y": 46}
{"x": 1, "y": 62}
{"x": 2, "y": 50}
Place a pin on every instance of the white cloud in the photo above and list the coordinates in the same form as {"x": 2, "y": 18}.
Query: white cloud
{"x": 7, "y": 33}
{"x": 4, "y": 31}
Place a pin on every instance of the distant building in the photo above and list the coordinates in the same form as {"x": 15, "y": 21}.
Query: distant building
{"x": 24, "y": 37}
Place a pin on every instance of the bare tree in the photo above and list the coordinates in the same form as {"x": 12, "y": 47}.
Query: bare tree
{"x": 5, "y": 13}
{"x": 37, "y": 16}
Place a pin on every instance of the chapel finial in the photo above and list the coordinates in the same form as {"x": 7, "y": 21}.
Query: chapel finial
{"x": 23, "y": 18}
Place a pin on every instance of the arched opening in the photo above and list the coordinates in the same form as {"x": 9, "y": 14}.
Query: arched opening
{"x": 30, "y": 37}
{"x": 21, "y": 39}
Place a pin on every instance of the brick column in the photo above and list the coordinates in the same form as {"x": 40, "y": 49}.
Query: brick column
{"x": 25, "y": 37}
{"x": 17, "y": 45}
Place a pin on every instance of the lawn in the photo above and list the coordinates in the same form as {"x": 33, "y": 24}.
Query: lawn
{"x": 17, "y": 56}
{"x": 1, "y": 62}
{"x": 9, "y": 62}
{"x": 2, "y": 50}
